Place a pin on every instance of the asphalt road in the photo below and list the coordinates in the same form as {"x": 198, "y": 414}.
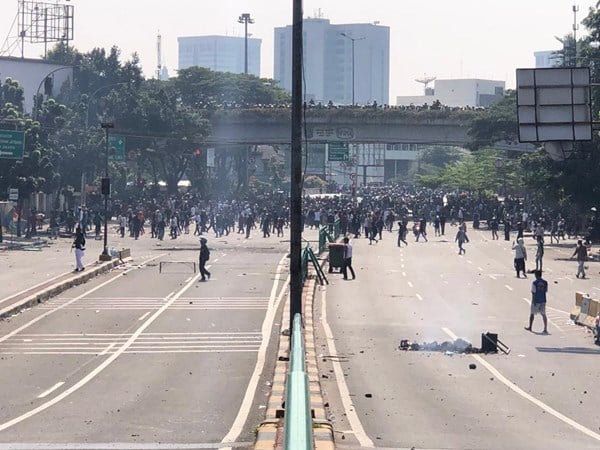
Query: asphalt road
{"x": 138, "y": 357}
{"x": 543, "y": 395}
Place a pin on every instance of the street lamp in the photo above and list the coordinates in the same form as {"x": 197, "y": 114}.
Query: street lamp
{"x": 353, "y": 40}
{"x": 105, "y": 256}
{"x": 245, "y": 19}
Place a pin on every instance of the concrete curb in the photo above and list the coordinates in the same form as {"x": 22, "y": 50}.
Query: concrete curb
{"x": 57, "y": 288}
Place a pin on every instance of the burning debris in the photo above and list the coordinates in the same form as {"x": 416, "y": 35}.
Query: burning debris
{"x": 489, "y": 344}
{"x": 456, "y": 346}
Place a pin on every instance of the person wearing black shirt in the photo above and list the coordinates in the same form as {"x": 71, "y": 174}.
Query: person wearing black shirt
{"x": 79, "y": 246}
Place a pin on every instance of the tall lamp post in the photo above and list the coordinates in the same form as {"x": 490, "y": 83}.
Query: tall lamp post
{"x": 105, "y": 256}
{"x": 353, "y": 41}
{"x": 245, "y": 19}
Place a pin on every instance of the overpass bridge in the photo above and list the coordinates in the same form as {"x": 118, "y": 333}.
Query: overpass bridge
{"x": 353, "y": 125}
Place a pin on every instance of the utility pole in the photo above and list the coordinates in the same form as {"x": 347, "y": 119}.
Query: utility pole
{"x": 296, "y": 167}
{"x": 105, "y": 256}
{"x": 575, "y": 28}
{"x": 245, "y": 19}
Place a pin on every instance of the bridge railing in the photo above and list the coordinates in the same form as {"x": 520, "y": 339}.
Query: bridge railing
{"x": 328, "y": 233}
{"x": 298, "y": 432}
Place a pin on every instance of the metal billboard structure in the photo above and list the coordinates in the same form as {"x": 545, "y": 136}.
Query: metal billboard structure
{"x": 554, "y": 107}
{"x": 40, "y": 23}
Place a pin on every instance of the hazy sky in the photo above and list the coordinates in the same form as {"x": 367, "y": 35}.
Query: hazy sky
{"x": 443, "y": 38}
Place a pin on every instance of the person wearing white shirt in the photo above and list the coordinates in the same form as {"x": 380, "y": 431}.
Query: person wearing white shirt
{"x": 347, "y": 259}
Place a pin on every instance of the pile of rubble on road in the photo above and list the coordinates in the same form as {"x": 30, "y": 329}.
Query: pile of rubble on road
{"x": 457, "y": 346}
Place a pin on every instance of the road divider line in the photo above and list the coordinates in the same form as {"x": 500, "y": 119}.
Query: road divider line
{"x": 410, "y": 284}
{"x": 52, "y": 389}
{"x": 480, "y": 269}
{"x": 529, "y": 397}
{"x": 419, "y": 297}
{"x": 492, "y": 277}
{"x": 350, "y": 410}
{"x": 267, "y": 326}
{"x": 108, "y": 349}
{"x": 145, "y": 315}
{"x": 469, "y": 261}
{"x": 35, "y": 286}
{"x": 508, "y": 287}
{"x": 403, "y": 274}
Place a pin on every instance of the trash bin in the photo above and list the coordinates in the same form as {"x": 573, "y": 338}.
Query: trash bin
{"x": 336, "y": 256}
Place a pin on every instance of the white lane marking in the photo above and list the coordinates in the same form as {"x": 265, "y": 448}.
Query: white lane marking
{"x": 480, "y": 269}
{"x": 526, "y": 300}
{"x": 188, "y": 279}
{"x": 403, "y": 274}
{"x": 64, "y": 305}
{"x": 568, "y": 278}
{"x": 508, "y": 287}
{"x": 469, "y": 261}
{"x": 108, "y": 349}
{"x": 598, "y": 289}
{"x": 86, "y": 379}
{"x": 402, "y": 266}
{"x": 550, "y": 307}
{"x": 419, "y": 296}
{"x": 349, "y": 408}
{"x": 144, "y": 316}
{"x": 33, "y": 287}
{"x": 274, "y": 301}
{"x": 527, "y": 396}
{"x": 52, "y": 389}
{"x": 492, "y": 277}
{"x": 410, "y": 284}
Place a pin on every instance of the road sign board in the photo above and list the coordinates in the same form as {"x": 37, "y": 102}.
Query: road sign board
{"x": 12, "y": 144}
{"x": 13, "y": 194}
{"x": 338, "y": 151}
{"x": 116, "y": 143}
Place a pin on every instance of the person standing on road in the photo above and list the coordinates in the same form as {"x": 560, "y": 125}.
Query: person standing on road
{"x": 520, "y": 257}
{"x": 581, "y": 253}
{"x": 539, "y": 253}
{"x": 79, "y": 246}
{"x": 204, "y": 257}
{"x": 347, "y": 259}
{"x": 422, "y": 229}
{"x": 539, "y": 288}
{"x": 494, "y": 228}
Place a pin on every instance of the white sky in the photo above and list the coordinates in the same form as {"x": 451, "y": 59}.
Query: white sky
{"x": 443, "y": 38}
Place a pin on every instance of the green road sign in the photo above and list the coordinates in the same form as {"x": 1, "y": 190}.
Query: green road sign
{"x": 12, "y": 144}
{"x": 338, "y": 151}
{"x": 116, "y": 143}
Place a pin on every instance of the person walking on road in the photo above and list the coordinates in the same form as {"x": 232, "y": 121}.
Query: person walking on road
{"x": 402, "y": 230}
{"x": 347, "y": 259}
{"x": 422, "y": 229}
{"x": 204, "y": 257}
{"x": 461, "y": 238}
{"x": 581, "y": 253}
{"x": 520, "y": 257}
{"x": 539, "y": 289}
{"x": 79, "y": 246}
{"x": 494, "y": 227}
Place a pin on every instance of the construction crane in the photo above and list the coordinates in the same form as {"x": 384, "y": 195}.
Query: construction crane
{"x": 425, "y": 81}
{"x": 158, "y": 55}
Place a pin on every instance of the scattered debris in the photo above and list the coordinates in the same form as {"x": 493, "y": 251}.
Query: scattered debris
{"x": 369, "y": 395}
{"x": 448, "y": 347}
{"x": 472, "y": 366}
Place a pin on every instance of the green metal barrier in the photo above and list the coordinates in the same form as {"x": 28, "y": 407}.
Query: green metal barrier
{"x": 325, "y": 236}
{"x": 298, "y": 432}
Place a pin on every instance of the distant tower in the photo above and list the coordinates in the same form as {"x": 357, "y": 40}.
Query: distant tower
{"x": 158, "y": 55}
{"x": 425, "y": 81}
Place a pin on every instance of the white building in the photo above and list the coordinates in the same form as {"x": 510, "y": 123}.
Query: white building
{"x": 547, "y": 58}
{"x": 219, "y": 53}
{"x": 471, "y": 92}
{"x": 328, "y": 61}
{"x": 35, "y": 76}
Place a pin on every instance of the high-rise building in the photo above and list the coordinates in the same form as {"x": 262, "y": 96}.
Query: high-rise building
{"x": 219, "y": 53}
{"x": 330, "y": 62}
{"x": 547, "y": 58}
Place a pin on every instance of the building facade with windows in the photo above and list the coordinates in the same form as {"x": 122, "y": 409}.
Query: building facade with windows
{"x": 219, "y": 53}
{"x": 471, "y": 92}
{"x": 328, "y": 61}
